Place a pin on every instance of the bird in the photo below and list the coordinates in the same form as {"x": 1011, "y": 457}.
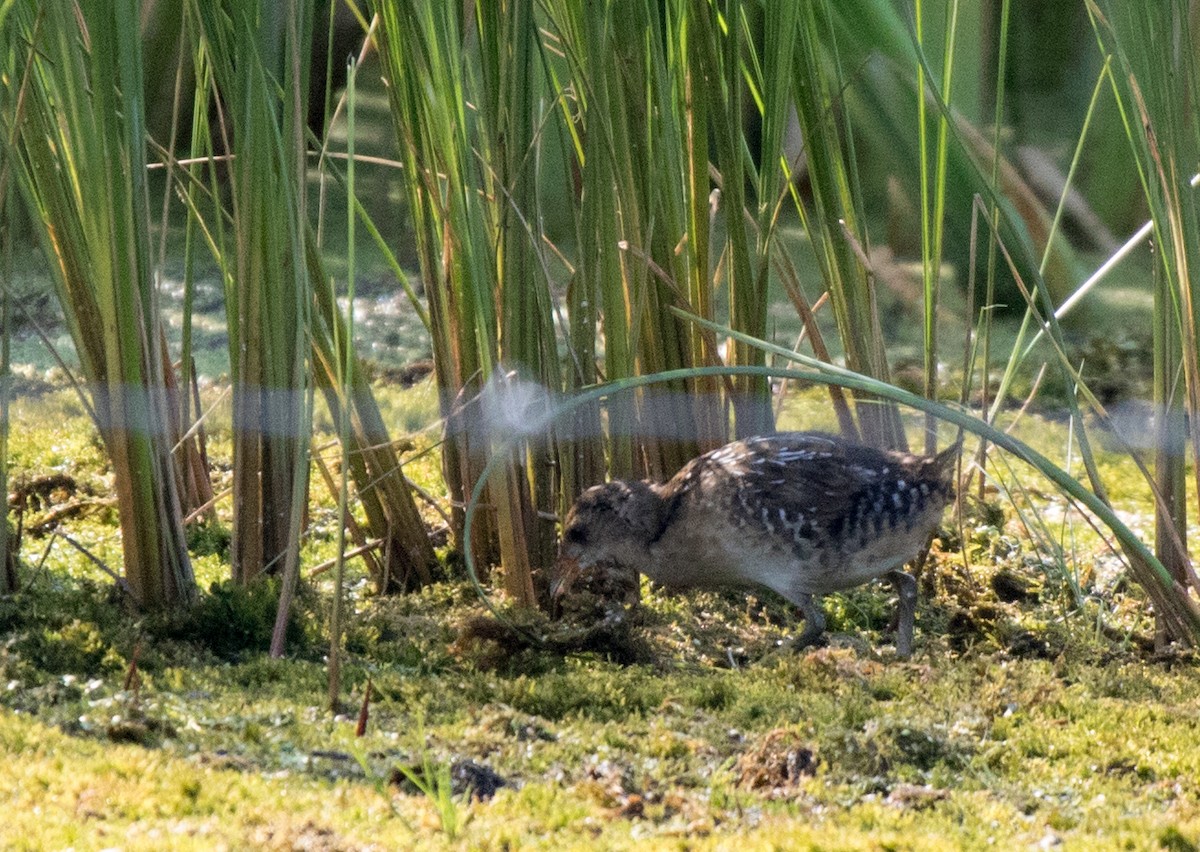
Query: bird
{"x": 800, "y": 513}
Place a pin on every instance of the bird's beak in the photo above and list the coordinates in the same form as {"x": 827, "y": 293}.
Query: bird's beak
{"x": 566, "y": 572}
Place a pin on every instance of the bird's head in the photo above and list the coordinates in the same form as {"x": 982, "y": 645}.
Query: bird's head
{"x": 611, "y": 523}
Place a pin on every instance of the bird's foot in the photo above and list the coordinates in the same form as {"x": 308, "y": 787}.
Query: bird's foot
{"x": 804, "y": 641}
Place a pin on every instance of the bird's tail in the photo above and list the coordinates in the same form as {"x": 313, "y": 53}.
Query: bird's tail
{"x": 949, "y": 455}
{"x": 944, "y": 462}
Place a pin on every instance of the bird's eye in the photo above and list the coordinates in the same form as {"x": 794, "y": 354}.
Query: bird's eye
{"x": 575, "y": 535}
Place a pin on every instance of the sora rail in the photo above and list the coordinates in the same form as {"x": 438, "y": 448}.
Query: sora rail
{"x": 801, "y": 513}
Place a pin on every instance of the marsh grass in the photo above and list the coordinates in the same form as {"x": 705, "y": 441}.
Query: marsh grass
{"x": 253, "y": 51}
{"x": 424, "y": 64}
{"x": 1150, "y": 86}
{"x": 74, "y": 117}
{"x": 8, "y": 555}
{"x": 432, "y": 779}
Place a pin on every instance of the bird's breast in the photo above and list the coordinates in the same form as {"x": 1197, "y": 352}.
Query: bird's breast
{"x": 707, "y": 550}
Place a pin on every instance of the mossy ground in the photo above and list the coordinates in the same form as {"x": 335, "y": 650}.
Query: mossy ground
{"x": 1030, "y": 715}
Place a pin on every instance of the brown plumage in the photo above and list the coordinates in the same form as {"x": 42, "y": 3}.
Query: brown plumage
{"x": 801, "y": 513}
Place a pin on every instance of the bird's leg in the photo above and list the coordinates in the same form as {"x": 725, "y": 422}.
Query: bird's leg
{"x": 906, "y": 588}
{"x": 814, "y": 621}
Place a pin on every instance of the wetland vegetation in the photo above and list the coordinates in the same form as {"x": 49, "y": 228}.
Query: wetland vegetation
{"x": 302, "y": 363}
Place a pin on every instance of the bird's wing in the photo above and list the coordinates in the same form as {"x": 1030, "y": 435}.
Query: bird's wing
{"x": 818, "y": 488}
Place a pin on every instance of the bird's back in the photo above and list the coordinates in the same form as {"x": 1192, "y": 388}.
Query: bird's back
{"x": 802, "y": 510}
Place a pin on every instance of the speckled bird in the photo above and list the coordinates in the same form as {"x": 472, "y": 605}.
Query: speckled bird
{"x": 801, "y": 513}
